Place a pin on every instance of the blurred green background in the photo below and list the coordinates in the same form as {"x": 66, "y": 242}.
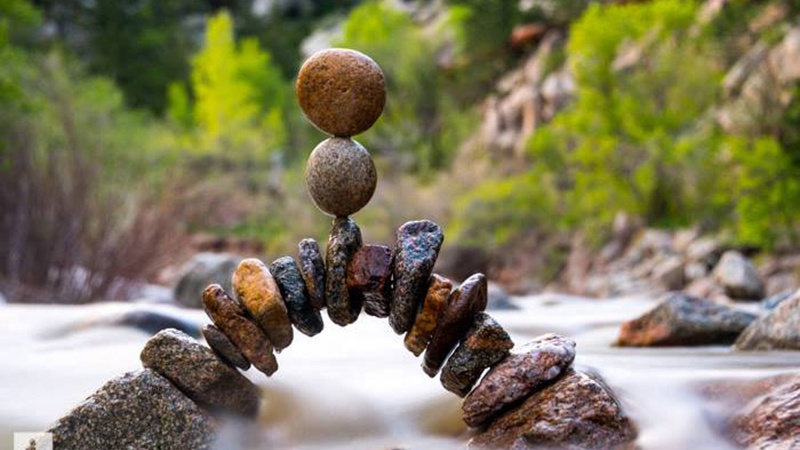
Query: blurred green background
{"x": 136, "y": 132}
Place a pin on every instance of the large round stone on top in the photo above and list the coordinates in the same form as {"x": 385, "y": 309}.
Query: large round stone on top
{"x": 340, "y": 176}
{"x": 342, "y": 92}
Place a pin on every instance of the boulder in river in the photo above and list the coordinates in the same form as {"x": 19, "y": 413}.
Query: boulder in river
{"x": 577, "y": 411}
{"x": 774, "y": 301}
{"x": 520, "y": 374}
{"x": 683, "y": 320}
{"x": 498, "y": 299}
{"x": 140, "y": 410}
{"x": 772, "y": 421}
{"x": 204, "y": 269}
{"x": 738, "y": 277}
{"x": 778, "y": 330}
{"x": 200, "y": 374}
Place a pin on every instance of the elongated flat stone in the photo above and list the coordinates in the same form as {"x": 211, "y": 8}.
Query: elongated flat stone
{"x": 293, "y": 290}
{"x": 369, "y": 275}
{"x": 519, "y": 375}
{"x": 485, "y": 344}
{"x": 433, "y": 306}
{"x": 343, "y": 242}
{"x": 465, "y": 302}
{"x": 199, "y": 373}
{"x": 312, "y": 267}
{"x": 259, "y": 294}
{"x": 417, "y": 248}
{"x": 223, "y": 346}
{"x": 232, "y": 320}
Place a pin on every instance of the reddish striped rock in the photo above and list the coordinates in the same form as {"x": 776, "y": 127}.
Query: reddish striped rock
{"x": 433, "y": 306}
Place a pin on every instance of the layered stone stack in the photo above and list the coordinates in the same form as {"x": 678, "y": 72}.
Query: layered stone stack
{"x": 342, "y": 92}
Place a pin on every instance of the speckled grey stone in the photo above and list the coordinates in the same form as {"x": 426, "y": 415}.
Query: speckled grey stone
{"x": 200, "y": 374}
{"x": 340, "y": 176}
{"x": 139, "y": 410}
{"x": 293, "y": 290}
{"x": 485, "y": 344}
{"x": 312, "y": 267}
{"x": 223, "y": 346}
{"x": 343, "y": 242}
{"x": 341, "y": 91}
{"x": 417, "y": 248}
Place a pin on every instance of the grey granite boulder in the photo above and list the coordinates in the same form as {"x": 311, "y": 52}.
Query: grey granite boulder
{"x": 778, "y": 330}
{"x": 140, "y": 410}
{"x": 738, "y": 277}
{"x": 202, "y": 270}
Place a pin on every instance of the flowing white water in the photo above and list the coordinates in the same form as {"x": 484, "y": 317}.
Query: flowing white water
{"x": 357, "y": 387}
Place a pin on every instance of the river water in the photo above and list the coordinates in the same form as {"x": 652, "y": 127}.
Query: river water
{"x": 358, "y": 388}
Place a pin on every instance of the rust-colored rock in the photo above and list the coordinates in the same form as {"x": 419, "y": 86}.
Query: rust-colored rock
{"x": 464, "y": 303}
{"x": 485, "y": 344}
{"x": 258, "y": 292}
{"x": 418, "y": 244}
{"x": 433, "y": 306}
{"x": 223, "y": 346}
{"x": 342, "y": 92}
{"x": 576, "y": 412}
{"x": 232, "y": 320}
{"x": 683, "y": 320}
{"x": 199, "y": 373}
{"x": 518, "y": 376}
{"x": 771, "y": 421}
{"x": 369, "y": 274}
{"x": 312, "y": 267}
{"x": 340, "y": 176}
{"x": 343, "y": 242}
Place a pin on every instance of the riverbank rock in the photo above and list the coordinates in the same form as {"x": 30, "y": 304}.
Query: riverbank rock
{"x": 772, "y": 421}
{"x": 293, "y": 290}
{"x": 260, "y": 295}
{"x": 498, "y": 299}
{"x": 200, "y": 374}
{"x": 485, "y": 344}
{"x": 517, "y": 376}
{"x": 232, "y": 320}
{"x": 202, "y": 270}
{"x": 369, "y": 274}
{"x": 576, "y": 412}
{"x": 140, "y": 410}
{"x": 312, "y": 267}
{"x": 738, "y": 277}
{"x": 778, "y": 330}
{"x": 775, "y": 300}
{"x": 466, "y": 301}
{"x": 436, "y": 300}
{"x": 223, "y": 346}
{"x": 416, "y": 250}
{"x": 343, "y": 243}
{"x": 681, "y": 320}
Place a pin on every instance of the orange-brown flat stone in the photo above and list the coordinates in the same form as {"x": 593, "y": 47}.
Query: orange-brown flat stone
{"x": 232, "y": 320}
{"x": 259, "y": 294}
{"x": 434, "y": 304}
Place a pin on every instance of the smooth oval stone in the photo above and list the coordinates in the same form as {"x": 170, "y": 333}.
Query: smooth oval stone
{"x": 342, "y": 92}
{"x": 485, "y": 344}
{"x": 343, "y": 242}
{"x": 199, "y": 373}
{"x": 369, "y": 275}
{"x": 417, "y": 248}
{"x": 517, "y": 376}
{"x": 433, "y": 306}
{"x": 312, "y": 267}
{"x": 256, "y": 289}
{"x": 223, "y": 346}
{"x": 340, "y": 176}
{"x": 464, "y": 303}
{"x": 293, "y": 290}
{"x": 232, "y": 320}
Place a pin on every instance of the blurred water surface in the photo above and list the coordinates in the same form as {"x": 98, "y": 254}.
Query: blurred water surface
{"x": 357, "y": 387}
